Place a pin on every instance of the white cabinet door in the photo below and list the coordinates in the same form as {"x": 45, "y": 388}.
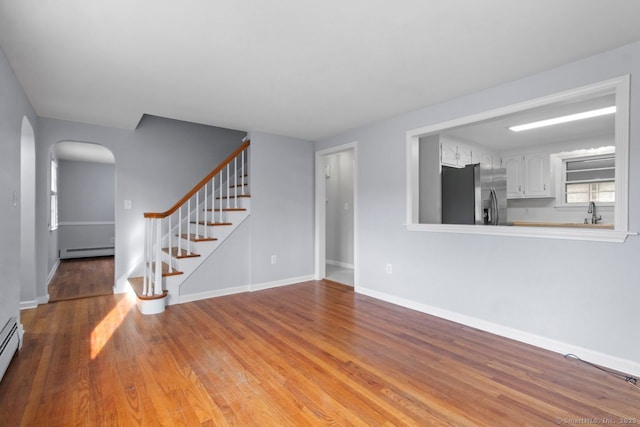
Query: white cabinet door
{"x": 464, "y": 155}
{"x": 513, "y": 165}
{"x": 528, "y": 176}
{"x": 536, "y": 175}
{"x": 449, "y": 153}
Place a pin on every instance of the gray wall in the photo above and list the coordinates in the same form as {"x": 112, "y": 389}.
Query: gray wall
{"x": 14, "y": 105}
{"x": 86, "y": 206}
{"x": 86, "y": 191}
{"x": 280, "y": 224}
{"x": 282, "y": 207}
{"x": 576, "y": 292}
{"x": 155, "y": 165}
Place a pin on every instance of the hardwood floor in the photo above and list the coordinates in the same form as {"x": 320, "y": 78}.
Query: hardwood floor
{"x": 308, "y": 354}
{"x": 82, "y": 278}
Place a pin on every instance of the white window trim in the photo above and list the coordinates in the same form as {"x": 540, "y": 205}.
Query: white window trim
{"x": 558, "y": 160}
{"x": 621, "y": 217}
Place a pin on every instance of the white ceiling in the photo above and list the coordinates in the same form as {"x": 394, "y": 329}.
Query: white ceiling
{"x": 83, "y": 152}
{"x": 307, "y": 69}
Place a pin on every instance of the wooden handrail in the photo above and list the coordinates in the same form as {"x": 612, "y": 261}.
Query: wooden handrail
{"x": 198, "y": 186}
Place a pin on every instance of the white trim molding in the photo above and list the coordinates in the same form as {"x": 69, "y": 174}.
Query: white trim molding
{"x": 613, "y": 362}
{"x": 619, "y": 86}
{"x": 215, "y": 293}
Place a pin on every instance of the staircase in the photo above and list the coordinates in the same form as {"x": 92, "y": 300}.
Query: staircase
{"x": 179, "y": 240}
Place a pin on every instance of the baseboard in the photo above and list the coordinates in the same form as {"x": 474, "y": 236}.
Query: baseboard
{"x": 278, "y": 283}
{"x": 338, "y": 263}
{"x": 42, "y": 300}
{"x": 53, "y": 271}
{"x": 212, "y": 294}
{"x": 602, "y": 359}
{"x": 240, "y": 289}
{"x": 27, "y": 305}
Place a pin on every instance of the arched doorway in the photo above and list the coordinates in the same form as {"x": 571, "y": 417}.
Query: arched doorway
{"x": 85, "y": 234}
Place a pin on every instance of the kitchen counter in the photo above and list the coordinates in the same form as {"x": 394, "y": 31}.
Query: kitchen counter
{"x": 561, "y": 224}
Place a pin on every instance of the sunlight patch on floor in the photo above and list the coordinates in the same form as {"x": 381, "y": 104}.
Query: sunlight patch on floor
{"x": 104, "y": 330}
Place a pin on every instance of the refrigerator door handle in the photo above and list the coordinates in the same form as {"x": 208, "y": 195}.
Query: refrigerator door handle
{"x": 494, "y": 206}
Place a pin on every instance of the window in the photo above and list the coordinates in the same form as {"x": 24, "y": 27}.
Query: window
{"x": 53, "y": 224}
{"x": 589, "y": 179}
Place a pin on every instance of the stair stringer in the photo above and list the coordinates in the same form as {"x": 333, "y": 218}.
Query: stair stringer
{"x": 205, "y": 249}
{"x": 226, "y": 271}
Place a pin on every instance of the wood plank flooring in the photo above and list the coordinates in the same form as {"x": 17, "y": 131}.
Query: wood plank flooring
{"x": 82, "y": 278}
{"x": 308, "y": 354}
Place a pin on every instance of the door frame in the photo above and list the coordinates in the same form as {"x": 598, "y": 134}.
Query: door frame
{"x": 321, "y": 214}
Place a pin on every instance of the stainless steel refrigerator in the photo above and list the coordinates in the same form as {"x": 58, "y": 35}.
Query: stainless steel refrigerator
{"x": 475, "y": 194}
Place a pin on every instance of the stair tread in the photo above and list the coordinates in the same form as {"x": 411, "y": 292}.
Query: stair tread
{"x": 192, "y": 237}
{"x": 231, "y": 197}
{"x": 228, "y": 210}
{"x": 137, "y": 284}
{"x": 183, "y": 253}
{"x": 165, "y": 270}
{"x": 212, "y": 224}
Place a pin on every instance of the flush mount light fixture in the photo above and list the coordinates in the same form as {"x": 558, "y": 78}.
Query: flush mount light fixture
{"x": 565, "y": 119}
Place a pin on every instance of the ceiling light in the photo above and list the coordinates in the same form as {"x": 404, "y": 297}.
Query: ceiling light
{"x": 565, "y": 119}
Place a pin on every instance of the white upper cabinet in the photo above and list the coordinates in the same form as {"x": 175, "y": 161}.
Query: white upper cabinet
{"x": 454, "y": 153}
{"x": 528, "y": 176}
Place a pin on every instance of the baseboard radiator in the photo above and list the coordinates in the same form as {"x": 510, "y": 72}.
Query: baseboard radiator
{"x": 8, "y": 344}
{"x": 86, "y": 252}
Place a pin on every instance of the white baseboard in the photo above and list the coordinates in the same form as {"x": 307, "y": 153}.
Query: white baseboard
{"x": 27, "y": 305}
{"x": 338, "y": 263}
{"x": 246, "y": 288}
{"x": 278, "y": 283}
{"x": 613, "y": 362}
{"x": 43, "y": 299}
{"x": 53, "y": 271}
{"x": 212, "y": 294}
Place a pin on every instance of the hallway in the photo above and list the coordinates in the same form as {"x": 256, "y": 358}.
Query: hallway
{"x": 82, "y": 278}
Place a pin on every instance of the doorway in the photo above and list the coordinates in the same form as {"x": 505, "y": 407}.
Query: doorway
{"x": 336, "y": 214}
{"x": 85, "y": 223}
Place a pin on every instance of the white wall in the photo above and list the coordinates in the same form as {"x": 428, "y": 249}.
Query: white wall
{"x": 578, "y": 293}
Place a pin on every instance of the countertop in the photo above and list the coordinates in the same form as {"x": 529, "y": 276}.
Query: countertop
{"x": 561, "y": 224}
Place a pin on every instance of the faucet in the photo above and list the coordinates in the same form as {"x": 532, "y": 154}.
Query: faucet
{"x": 592, "y": 211}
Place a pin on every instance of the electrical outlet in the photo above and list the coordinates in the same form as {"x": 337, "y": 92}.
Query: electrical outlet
{"x": 274, "y": 260}
{"x": 113, "y": 240}
{"x": 389, "y": 268}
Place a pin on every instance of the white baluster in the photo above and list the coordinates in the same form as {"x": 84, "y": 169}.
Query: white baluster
{"x": 205, "y": 211}
{"x": 213, "y": 201}
{"x": 157, "y": 287}
{"x": 220, "y": 198}
{"x": 189, "y": 224}
{"x": 227, "y": 195}
{"x": 242, "y": 174}
{"x": 145, "y": 279}
{"x": 180, "y": 230}
{"x": 197, "y": 214}
{"x": 235, "y": 182}
{"x": 170, "y": 252}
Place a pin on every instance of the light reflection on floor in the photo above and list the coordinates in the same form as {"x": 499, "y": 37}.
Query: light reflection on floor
{"x": 339, "y": 274}
{"x": 103, "y": 331}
